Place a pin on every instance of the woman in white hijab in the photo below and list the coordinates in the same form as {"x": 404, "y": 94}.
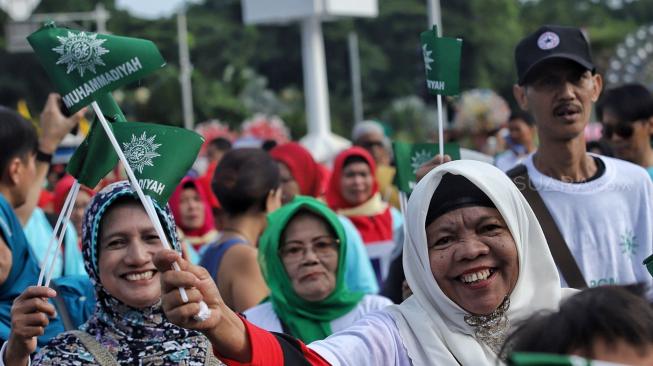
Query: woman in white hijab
{"x": 475, "y": 258}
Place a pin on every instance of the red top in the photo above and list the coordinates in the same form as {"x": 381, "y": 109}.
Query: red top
{"x": 374, "y": 227}
{"x": 302, "y": 166}
{"x": 274, "y": 349}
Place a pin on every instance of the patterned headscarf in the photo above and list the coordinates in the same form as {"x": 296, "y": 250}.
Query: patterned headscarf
{"x": 132, "y": 336}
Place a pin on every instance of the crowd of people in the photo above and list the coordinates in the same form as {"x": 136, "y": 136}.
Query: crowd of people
{"x": 304, "y": 264}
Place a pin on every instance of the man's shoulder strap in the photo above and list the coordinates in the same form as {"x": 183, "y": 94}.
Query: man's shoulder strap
{"x": 559, "y": 249}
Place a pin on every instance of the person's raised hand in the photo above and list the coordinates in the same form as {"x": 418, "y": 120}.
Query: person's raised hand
{"x": 430, "y": 165}
{"x": 55, "y": 125}
{"x": 30, "y": 315}
{"x": 199, "y": 286}
{"x": 223, "y": 327}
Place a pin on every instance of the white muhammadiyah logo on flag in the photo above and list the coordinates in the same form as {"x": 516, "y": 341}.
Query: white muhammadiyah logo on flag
{"x": 80, "y": 52}
{"x": 140, "y": 151}
{"x": 427, "y": 57}
{"x": 419, "y": 157}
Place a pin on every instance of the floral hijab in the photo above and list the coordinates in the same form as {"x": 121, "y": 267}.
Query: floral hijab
{"x": 132, "y": 336}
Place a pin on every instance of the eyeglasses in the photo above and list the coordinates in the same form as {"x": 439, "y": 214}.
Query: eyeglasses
{"x": 322, "y": 247}
{"x": 624, "y": 130}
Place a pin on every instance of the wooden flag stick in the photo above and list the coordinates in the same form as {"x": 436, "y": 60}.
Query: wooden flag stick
{"x": 440, "y": 127}
{"x": 70, "y": 200}
{"x": 66, "y": 221}
{"x": 149, "y": 209}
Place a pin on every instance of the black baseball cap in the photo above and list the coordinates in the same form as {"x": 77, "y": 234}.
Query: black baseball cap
{"x": 549, "y": 42}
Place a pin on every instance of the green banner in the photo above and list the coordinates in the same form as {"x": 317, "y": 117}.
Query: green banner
{"x": 159, "y": 155}
{"x": 441, "y": 62}
{"x": 83, "y": 65}
{"x": 409, "y": 157}
{"x": 545, "y": 359}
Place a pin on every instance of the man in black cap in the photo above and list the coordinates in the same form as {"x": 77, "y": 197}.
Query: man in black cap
{"x": 600, "y": 209}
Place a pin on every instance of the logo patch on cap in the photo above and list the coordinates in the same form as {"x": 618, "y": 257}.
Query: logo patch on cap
{"x": 548, "y": 40}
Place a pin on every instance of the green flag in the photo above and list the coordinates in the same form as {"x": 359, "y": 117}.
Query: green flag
{"x": 545, "y": 359}
{"x": 442, "y": 62}
{"x": 82, "y": 64}
{"x": 648, "y": 262}
{"x": 159, "y": 155}
{"x": 409, "y": 157}
{"x": 95, "y": 157}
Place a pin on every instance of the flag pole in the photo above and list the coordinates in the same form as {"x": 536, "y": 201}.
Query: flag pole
{"x": 440, "y": 127}
{"x": 134, "y": 182}
{"x": 403, "y": 207}
{"x": 68, "y": 212}
{"x": 70, "y": 199}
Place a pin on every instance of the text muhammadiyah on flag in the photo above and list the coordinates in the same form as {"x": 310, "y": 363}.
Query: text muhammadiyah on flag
{"x": 83, "y": 64}
{"x": 409, "y": 157}
{"x": 442, "y": 62}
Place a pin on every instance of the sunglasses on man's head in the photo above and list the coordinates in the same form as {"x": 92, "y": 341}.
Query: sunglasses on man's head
{"x": 624, "y": 130}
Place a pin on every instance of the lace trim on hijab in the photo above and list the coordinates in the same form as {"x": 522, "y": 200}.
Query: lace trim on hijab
{"x": 491, "y": 329}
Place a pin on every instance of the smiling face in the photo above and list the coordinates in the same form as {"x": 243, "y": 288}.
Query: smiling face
{"x": 356, "y": 183}
{"x": 559, "y": 94}
{"x": 127, "y": 244}
{"x": 191, "y": 209}
{"x": 309, "y": 252}
{"x": 473, "y": 257}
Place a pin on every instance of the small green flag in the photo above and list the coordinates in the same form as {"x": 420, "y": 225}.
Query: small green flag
{"x": 545, "y": 359}
{"x": 442, "y": 62}
{"x": 95, "y": 157}
{"x": 409, "y": 157}
{"x": 82, "y": 64}
{"x": 159, "y": 155}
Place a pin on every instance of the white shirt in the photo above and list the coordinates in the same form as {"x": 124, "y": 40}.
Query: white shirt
{"x": 373, "y": 340}
{"x": 263, "y": 315}
{"x": 607, "y": 222}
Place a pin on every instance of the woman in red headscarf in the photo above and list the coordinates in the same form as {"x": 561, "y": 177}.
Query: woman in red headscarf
{"x": 353, "y": 192}
{"x": 299, "y": 173}
{"x": 191, "y": 209}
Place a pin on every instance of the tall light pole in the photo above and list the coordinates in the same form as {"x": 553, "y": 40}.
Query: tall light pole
{"x": 355, "y": 70}
{"x": 185, "y": 71}
{"x": 434, "y": 14}
{"x": 320, "y": 141}
{"x": 435, "y": 17}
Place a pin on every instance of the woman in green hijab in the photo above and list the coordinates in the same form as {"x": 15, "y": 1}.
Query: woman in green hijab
{"x": 302, "y": 257}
